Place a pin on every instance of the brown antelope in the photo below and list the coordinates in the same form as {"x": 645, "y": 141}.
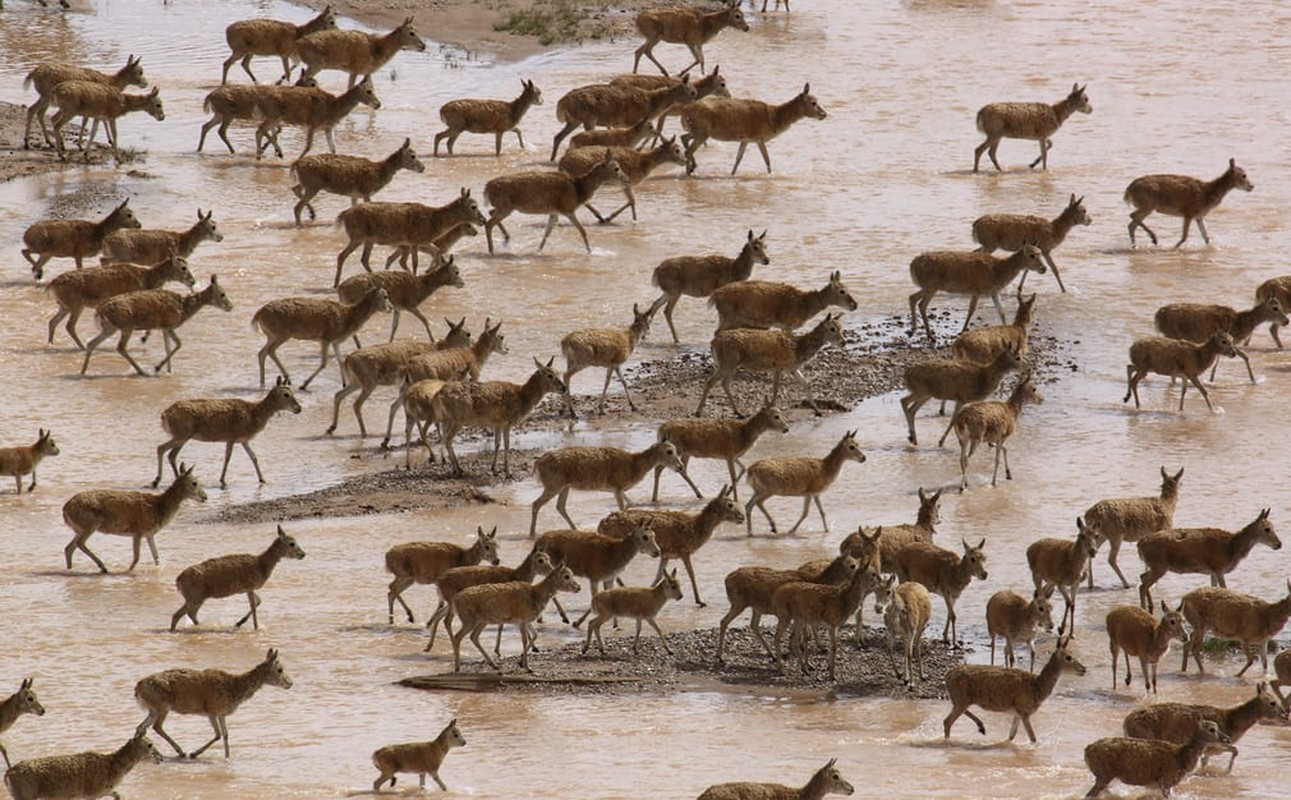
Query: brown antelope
{"x": 682, "y": 25}
{"x": 350, "y": 176}
{"x": 423, "y": 758}
{"x": 239, "y": 573}
{"x": 1034, "y": 121}
{"x": 727, "y": 439}
{"x": 317, "y": 319}
{"x": 487, "y": 116}
{"x": 402, "y": 225}
{"x": 1004, "y": 689}
{"x": 1206, "y": 551}
{"x": 595, "y": 469}
{"x": 1197, "y": 322}
{"x": 636, "y": 165}
{"x": 18, "y": 461}
{"x": 607, "y": 105}
{"x": 772, "y": 351}
{"x": 1012, "y": 231}
{"x": 700, "y": 276}
{"x": 1062, "y": 563}
{"x": 312, "y": 108}
{"x": 150, "y": 247}
{"x": 548, "y": 192}
{"x": 1147, "y": 762}
{"x": 270, "y": 37}
{"x": 1129, "y": 519}
{"x": 973, "y": 273}
{"x": 744, "y": 121}
{"x": 231, "y": 421}
{"x": 801, "y": 476}
{"x": 355, "y": 52}
{"x": 943, "y": 572}
{"x": 152, "y": 309}
{"x": 770, "y": 304}
{"x": 72, "y": 238}
{"x": 15, "y": 705}
{"x": 78, "y": 290}
{"x": 1233, "y": 615}
{"x": 47, "y": 76}
{"x": 89, "y": 774}
{"x": 604, "y": 347}
{"x": 100, "y": 103}
{"x": 1177, "y": 359}
{"x": 1181, "y": 196}
{"x": 139, "y": 515}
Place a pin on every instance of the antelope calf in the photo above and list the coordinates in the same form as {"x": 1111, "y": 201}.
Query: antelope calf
{"x": 1004, "y": 689}
{"x": 88, "y": 288}
{"x": 1062, "y": 564}
{"x": 270, "y": 37}
{"x": 230, "y": 421}
{"x": 1013, "y": 617}
{"x": 738, "y": 120}
{"x": 151, "y": 247}
{"x": 700, "y": 276}
{"x": 47, "y": 76}
{"x": 100, "y": 103}
{"x": 943, "y": 572}
{"x": 727, "y": 439}
{"x": 1181, "y": 196}
{"x": 692, "y": 27}
{"x": 423, "y": 758}
{"x": 349, "y": 176}
{"x": 1197, "y": 322}
{"x": 224, "y": 576}
{"x": 1176, "y": 359}
{"x": 1129, "y": 519}
{"x": 1208, "y": 551}
{"x": 356, "y": 52}
{"x": 604, "y": 469}
{"x": 1233, "y": 615}
{"x": 604, "y": 347}
{"x": 768, "y": 351}
{"x": 314, "y": 319}
{"x": 633, "y": 603}
{"x": 548, "y": 192}
{"x": 992, "y": 422}
{"x": 487, "y": 116}
{"x": 1035, "y": 121}
{"x": 15, "y": 705}
{"x": 152, "y": 309}
{"x": 72, "y": 238}
{"x": 1012, "y": 231}
{"x": 798, "y": 476}
{"x": 1138, "y": 633}
{"x": 767, "y": 304}
{"x": 138, "y": 515}
{"x": 18, "y": 461}
{"x": 973, "y": 273}
{"x": 212, "y": 692}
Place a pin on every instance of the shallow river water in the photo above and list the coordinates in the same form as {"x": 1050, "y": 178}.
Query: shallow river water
{"x": 885, "y": 177}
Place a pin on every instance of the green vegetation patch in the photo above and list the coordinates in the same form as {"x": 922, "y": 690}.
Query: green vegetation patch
{"x": 558, "y": 22}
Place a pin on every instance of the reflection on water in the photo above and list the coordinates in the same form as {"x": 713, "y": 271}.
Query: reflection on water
{"x": 883, "y": 178}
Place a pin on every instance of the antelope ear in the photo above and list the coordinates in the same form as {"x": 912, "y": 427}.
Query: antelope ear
{"x": 551, "y": 361}
{"x": 1232, "y": 162}
{"x": 750, "y": 231}
{"x": 407, "y": 142}
{"x": 155, "y": 91}
{"x": 281, "y": 532}
{"x": 1075, "y": 87}
{"x": 466, "y": 192}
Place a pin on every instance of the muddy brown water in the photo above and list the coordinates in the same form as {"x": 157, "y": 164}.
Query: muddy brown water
{"x": 883, "y": 178}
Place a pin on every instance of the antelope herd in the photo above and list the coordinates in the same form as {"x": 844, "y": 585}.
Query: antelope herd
{"x": 761, "y": 326}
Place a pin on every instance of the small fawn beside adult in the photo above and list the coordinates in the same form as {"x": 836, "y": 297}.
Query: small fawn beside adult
{"x": 18, "y": 461}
